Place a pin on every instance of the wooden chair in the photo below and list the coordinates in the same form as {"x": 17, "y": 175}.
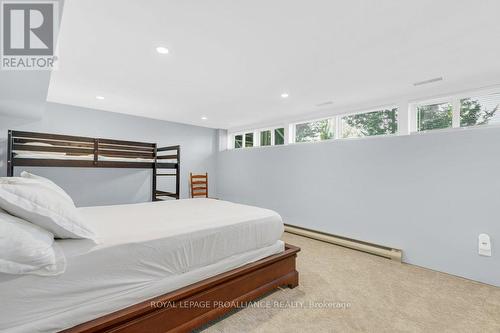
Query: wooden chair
{"x": 199, "y": 185}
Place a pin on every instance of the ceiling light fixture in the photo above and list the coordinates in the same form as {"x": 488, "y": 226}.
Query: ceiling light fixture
{"x": 436, "y": 79}
{"x": 284, "y": 95}
{"x": 204, "y": 118}
{"x": 162, "y": 50}
{"x": 99, "y": 97}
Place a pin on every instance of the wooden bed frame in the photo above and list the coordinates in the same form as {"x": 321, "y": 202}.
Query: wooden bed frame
{"x": 193, "y": 306}
{"x": 181, "y": 310}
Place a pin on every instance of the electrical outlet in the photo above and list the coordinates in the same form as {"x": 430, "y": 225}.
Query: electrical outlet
{"x": 484, "y": 245}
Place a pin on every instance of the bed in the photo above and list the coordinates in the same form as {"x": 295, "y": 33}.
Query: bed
{"x": 142, "y": 251}
{"x": 56, "y": 150}
{"x": 161, "y": 266}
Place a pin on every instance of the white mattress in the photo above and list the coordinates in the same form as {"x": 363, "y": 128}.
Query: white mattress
{"x": 89, "y": 157}
{"x": 144, "y": 250}
{"x": 125, "y": 159}
{"x": 52, "y": 156}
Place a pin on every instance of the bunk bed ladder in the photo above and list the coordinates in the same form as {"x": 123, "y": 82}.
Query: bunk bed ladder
{"x": 157, "y": 194}
{"x": 10, "y": 155}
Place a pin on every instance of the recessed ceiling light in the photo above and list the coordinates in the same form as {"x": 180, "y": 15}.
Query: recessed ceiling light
{"x": 162, "y": 50}
{"x": 99, "y": 97}
{"x": 436, "y": 79}
{"x": 204, "y": 118}
{"x": 284, "y": 95}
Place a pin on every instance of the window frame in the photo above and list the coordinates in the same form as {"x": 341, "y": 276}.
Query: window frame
{"x": 273, "y": 136}
{"x": 471, "y": 94}
{"x": 293, "y": 129}
{"x": 455, "y": 101}
{"x": 232, "y": 138}
{"x": 256, "y": 137}
{"x": 260, "y": 137}
{"x": 340, "y": 125}
{"x": 406, "y": 119}
{"x": 254, "y": 140}
{"x": 442, "y": 100}
{"x": 233, "y": 141}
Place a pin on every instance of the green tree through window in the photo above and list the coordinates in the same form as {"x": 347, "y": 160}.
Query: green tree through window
{"x": 479, "y": 110}
{"x": 314, "y": 131}
{"x": 279, "y": 136}
{"x": 248, "y": 140}
{"x": 473, "y": 113}
{"x": 238, "y": 141}
{"x": 370, "y": 123}
{"x": 265, "y": 138}
{"x": 434, "y": 116}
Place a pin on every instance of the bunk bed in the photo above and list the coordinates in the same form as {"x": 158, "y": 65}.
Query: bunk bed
{"x": 30, "y": 149}
{"x": 240, "y": 278}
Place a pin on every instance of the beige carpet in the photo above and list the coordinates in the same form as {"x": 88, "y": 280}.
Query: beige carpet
{"x": 365, "y": 293}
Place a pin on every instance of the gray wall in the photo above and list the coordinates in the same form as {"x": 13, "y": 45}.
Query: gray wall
{"x": 429, "y": 194}
{"x": 23, "y": 93}
{"x": 114, "y": 186}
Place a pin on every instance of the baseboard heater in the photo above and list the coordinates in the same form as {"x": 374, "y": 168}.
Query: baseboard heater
{"x": 379, "y": 250}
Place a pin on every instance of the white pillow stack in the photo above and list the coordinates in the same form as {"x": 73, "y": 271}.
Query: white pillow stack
{"x": 35, "y": 210}
{"x": 26, "y": 248}
{"x": 43, "y": 203}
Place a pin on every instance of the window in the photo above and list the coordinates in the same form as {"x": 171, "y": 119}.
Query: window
{"x": 248, "y": 140}
{"x": 453, "y": 111}
{"x": 434, "y": 116}
{"x": 370, "y": 123}
{"x": 480, "y": 110}
{"x": 314, "y": 131}
{"x": 265, "y": 138}
{"x": 279, "y": 136}
{"x": 238, "y": 141}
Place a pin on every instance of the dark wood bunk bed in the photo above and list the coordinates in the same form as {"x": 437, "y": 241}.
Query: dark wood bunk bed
{"x": 222, "y": 293}
{"x": 54, "y": 150}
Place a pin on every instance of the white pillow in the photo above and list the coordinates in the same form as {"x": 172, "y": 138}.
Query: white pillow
{"x": 40, "y": 204}
{"x": 26, "y": 248}
{"x": 49, "y": 182}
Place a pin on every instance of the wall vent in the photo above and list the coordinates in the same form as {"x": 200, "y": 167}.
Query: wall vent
{"x": 324, "y": 104}
{"x": 436, "y": 79}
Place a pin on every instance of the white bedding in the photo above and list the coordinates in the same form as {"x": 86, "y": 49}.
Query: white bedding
{"x": 143, "y": 250}
{"x": 89, "y": 157}
{"x": 51, "y": 156}
{"x": 125, "y": 159}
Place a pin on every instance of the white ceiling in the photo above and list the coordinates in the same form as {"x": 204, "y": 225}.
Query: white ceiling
{"x": 231, "y": 60}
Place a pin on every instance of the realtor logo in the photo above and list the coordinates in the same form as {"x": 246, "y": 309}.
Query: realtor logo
{"x": 28, "y": 34}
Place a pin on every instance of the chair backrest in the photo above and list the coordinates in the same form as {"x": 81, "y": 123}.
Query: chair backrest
{"x": 199, "y": 185}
